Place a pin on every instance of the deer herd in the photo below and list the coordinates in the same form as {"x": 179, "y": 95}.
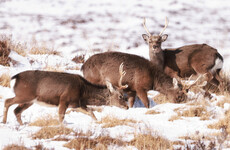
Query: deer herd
{"x": 107, "y": 76}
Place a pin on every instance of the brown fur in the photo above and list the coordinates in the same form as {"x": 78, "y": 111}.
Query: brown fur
{"x": 197, "y": 59}
{"x": 141, "y": 75}
{"x": 60, "y": 89}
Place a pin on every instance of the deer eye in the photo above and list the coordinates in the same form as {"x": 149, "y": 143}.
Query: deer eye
{"x": 120, "y": 97}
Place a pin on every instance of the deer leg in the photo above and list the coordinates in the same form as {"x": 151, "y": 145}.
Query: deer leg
{"x": 19, "y": 109}
{"x": 220, "y": 80}
{"x": 89, "y": 112}
{"x": 63, "y": 105}
{"x": 131, "y": 99}
{"x": 143, "y": 96}
{"x": 7, "y": 104}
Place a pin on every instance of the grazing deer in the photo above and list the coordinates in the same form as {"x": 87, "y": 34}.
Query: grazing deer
{"x": 141, "y": 76}
{"x": 61, "y": 89}
{"x": 197, "y": 59}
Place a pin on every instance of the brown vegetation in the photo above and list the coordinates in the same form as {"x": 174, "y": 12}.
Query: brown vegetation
{"x": 152, "y": 112}
{"x": 79, "y": 59}
{"x": 5, "y": 80}
{"x": 15, "y": 147}
{"x": 45, "y": 121}
{"x": 99, "y": 143}
{"x": 223, "y": 123}
{"x": 50, "y": 132}
{"x": 150, "y": 142}
{"x": 111, "y": 121}
{"x": 4, "y": 52}
{"x": 41, "y": 49}
{"x": 193, "y": 111}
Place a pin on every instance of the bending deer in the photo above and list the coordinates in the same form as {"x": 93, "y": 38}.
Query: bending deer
{"x": 60, "y": 89}
{"x": 197, "y": 59}
{"x": 141, "y": 76}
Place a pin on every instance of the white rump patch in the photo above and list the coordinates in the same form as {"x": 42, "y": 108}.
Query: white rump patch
{"x": 12, "y": 83}
{"x": 218, "y": 65}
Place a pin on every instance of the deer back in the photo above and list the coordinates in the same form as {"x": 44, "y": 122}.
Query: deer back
{"x": 191, "y": 59}
{"x": 140, "y": 72}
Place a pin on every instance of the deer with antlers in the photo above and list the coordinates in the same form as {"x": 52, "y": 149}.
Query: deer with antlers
{"x": 182, "y": 62}
{"x": 140, "y": 77}
{"x": 63, "y": 90}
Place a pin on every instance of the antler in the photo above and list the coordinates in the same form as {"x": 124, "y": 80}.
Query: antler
{"x": 166, "y": 24}
{"x": 195, "y": 82}
{"x": 149, "y": 34}
{"x": 122, "y": 74}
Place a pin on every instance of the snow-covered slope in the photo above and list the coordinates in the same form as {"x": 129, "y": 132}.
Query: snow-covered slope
{"x": 87, "y": 27}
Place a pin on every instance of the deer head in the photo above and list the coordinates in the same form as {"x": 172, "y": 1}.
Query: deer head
{"x": 154, "y": 41}
{"x": 118, "y": 91}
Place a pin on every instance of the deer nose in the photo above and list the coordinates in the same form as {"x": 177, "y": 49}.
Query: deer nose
{"x": 154, "y": 47}
{"x": 126, "y": 107}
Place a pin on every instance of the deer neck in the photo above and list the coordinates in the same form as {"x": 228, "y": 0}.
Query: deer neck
{"x": 162, "y": 82}
{"x": 157, "y": 58}
{"x": 97, "y": 95}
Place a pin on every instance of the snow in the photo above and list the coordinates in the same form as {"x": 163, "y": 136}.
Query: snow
{"x": 88, "y": 27}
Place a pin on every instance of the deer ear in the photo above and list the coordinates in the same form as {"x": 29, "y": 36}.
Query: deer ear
{"x": 145, "y": 37}
{"x": 109, "y": 86}
{"x": 175, "y": 83}
{"x": 164, "y": 37}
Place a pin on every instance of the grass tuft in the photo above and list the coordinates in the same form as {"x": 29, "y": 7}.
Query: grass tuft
{"x": 4, "y": 52}
{"x": 50, "y": 132}
{"x": 15, "y": 147}
{"x": 223, "y": 123}
{"x": 152, "y": 112}
{"x": 79, "y": 59}
{"x": 42, "y": 49}
{"x": 45, "y": 121}
{"x": 5, "y": 80}
{"x": 111, "y": 121}
{"x": 150, "y": 142}
{"x": 193, "y": 111}
{"x": 99, "y": 143}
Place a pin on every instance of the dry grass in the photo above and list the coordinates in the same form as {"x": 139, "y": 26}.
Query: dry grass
{"x": 20, "y": 48}
{"x": 111, "y": 121}
{"x": 152, "y": 112}
{"x": 222, "y": 123}
{"x": 7, "y": 44}
{"x": 79, "y": 59}
{"x": 225, "y": 87}
{"x": 140, "y": 141}
{"x": 15, "y": 147}
{"x": 50, "y": 132}
{"x": 198, "y": 141}
{"x": 99, "y": 143}
{"x": 4, "y": 52}
{"x": 193, "y": 111}
{"x": 41, "y": 49}
{"x": 45, "y": 121}
{"x": 5, "y": 80}
{"x": 150, "y": 142}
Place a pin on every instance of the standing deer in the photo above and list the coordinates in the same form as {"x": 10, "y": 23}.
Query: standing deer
{"x": 60, "y": 89}
{"x": 141, "y": 76}
{"x": 197, "y": 59}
